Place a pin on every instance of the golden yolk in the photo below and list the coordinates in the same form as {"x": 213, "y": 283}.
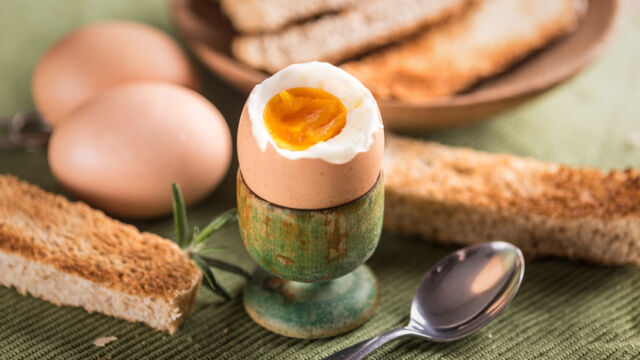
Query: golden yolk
{"x": 298, "y": 118}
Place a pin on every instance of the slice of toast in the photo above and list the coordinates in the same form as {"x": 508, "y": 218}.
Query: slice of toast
{"x": 459, "y": 196}
{"x": 70, "y": 254}
{"x": 336, "y": 37}
{"x": 271, "y": 15}
{"x": 483, "y": 41}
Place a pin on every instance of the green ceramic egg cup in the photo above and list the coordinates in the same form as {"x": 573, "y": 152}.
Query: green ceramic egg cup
{"x": 315, "y": 284}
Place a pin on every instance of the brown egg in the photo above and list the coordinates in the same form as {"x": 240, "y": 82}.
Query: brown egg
{"x": 122, "y": 149}
{"x": 305, "y": 183}
{"x": 100, "y": 56}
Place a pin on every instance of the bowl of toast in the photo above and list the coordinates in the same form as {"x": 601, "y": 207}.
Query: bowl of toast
{"x": 431, "y": 64}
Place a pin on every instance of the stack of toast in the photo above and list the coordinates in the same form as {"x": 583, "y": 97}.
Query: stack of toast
{"x": 409, "y": 50}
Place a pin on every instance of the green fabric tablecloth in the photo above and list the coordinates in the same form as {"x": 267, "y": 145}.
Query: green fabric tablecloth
{"x": 564, "y": 310}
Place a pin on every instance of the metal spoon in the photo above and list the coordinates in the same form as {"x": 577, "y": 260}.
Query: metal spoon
{"x": 457, "y": 297}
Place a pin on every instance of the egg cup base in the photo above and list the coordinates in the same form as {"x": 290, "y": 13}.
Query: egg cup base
{"x": 312, "y": 310}
{"x": 311, "y": 282}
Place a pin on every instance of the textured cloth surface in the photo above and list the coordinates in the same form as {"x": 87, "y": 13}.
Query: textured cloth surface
{"x": 564, "y": 310}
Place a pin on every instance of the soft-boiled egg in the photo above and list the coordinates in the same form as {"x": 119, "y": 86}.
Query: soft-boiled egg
{"x": 310, "y": 137}
{"x": 100, "y": 56}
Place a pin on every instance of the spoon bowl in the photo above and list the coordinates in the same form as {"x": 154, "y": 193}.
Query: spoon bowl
{"x": 466, "y": 290}
{"x": 457, "y": 297}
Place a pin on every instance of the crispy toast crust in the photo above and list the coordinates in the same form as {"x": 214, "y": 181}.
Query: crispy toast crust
{"x": 260, "y": 15}
{"x": 506, "y": 182}
{"x": 74, "y": 238}
{"x": 335, "y": 37}
{"x": 451, "y": 56}
{"x": 460, "y": 196}
{"x": 70, "y": 254}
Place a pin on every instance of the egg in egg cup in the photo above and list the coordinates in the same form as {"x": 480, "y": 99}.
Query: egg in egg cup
{"x": 310, "y": 200}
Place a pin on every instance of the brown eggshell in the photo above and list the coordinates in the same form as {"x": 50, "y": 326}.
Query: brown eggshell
{"x": 121, "y": 150}
{"x": 103, "y": 55}
{"x": 305, "y": 183}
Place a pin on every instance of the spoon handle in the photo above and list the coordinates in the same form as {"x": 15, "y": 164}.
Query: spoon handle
{"x": 364, "y": 348}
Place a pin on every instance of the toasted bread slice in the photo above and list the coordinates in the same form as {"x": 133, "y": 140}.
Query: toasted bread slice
{"x": 485, "y": 40}
{"x": 271, "y": 15}
{"x": 336, "y": 37}
{"x": 459, "y": 196}
{"x": 70, "y": 254}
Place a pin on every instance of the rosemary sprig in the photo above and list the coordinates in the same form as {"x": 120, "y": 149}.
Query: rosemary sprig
{"x": 210, "y": 279}
{"x": 199, "y": 238}
{"x": 179, "y": 215}
{"x": 196, "y": 243}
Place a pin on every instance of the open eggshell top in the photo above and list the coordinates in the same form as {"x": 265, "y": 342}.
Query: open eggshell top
{"x": 327, "y": 174}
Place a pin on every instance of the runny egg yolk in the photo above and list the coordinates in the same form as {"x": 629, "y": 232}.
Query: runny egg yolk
{"x": 300, "y": 117}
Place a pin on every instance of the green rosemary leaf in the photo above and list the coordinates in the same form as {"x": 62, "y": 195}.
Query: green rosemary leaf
{"x": 211, "y": 283}
{"x": 195, "y": 244}
{"x": 179, "y": 216}
{"x": 216, "y": 224}
{"x": 225, "y": 266}
{"x": 207, "y": 249}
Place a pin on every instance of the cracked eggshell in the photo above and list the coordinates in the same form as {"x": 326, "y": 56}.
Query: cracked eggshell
{"x": 305, "y": 183}
{"x": 121, "y": 150}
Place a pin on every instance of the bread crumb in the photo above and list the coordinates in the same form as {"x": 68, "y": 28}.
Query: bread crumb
{"x": 102, "y": 341}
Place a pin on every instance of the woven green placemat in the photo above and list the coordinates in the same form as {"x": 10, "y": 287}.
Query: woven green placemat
{"x": 564, "y": 310}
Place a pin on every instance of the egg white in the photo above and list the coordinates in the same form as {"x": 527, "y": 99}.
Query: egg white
{"x": 363, "y": 115}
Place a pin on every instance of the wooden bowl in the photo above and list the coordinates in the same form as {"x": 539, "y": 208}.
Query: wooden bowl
{"x": 209, "y": 34}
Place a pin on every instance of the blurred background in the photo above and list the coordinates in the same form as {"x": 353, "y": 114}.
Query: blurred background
{"x": 591, "y": 119}
{"x": 575, "y": 115}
